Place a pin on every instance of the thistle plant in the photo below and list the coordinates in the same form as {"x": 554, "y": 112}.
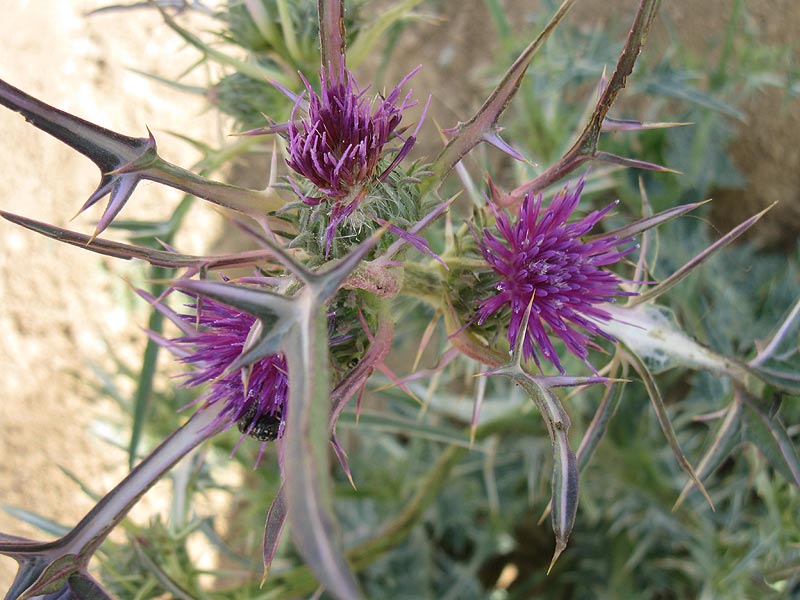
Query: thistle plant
{"x": 353, "y": 237}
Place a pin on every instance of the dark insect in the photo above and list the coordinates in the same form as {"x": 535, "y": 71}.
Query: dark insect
{"x": 265, "y": 428}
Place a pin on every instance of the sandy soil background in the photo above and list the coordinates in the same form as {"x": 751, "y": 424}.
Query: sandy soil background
{"x": 58, "y": 303}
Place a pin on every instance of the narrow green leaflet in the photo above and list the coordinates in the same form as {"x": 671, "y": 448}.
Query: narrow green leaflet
{"x": 599, "y": 425}
{"x": 276, "y": 519}
{"x": 690, "y": 266}
{"x": 663, "y": 419}
{"x": 85, "y": 587}
{"x": 162, "y": 577}
{"x": 646, "y": 223}
{"x": 367, "y": 420}
{"x": 38, "y": 521}
{"x": 371, "y": 34}
{"x": 768, "y": 433}
{"x": 251, "y": 68}
{"x": 724, "y": 441}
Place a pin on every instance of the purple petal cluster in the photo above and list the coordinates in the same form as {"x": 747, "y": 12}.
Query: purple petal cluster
{"x": 541, "y": 260}
{"x": 339, "y": 143}
{"x": 254, "y": 397}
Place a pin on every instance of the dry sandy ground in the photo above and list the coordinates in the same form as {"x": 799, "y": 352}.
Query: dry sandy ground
{"x": 57, "y": 303}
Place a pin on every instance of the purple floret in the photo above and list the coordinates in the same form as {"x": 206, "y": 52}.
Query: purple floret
{"x": 255, "y": 397}
{"x": 541, "y": 257}
{"x": 339, "y": 143}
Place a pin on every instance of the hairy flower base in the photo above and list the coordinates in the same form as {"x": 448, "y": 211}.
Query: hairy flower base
{"x": 254, "y": 397}
{"x": 541, "y": 260}
{"x": 340, "y": 142}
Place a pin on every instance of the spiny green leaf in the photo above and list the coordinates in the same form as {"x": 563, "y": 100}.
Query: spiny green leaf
{"x": 596, "y": 431}
{"x": 725, "y": 440}
{"x": 307, "y": 481}
{"x": 158, "y": 258}
{"x": 664, "y": 421}
{"x": 690, "y": 266}
{"x": 769, "y": 435}
{"x": 85, "y": 587}
{"x": 469, "y": 134}
{"x": 564, "y": 481}
{"x": 585, "y": 147}
{"x": 564, "y": 497}
{"x": 276, "y": 315}
{"x": 45, "y": 567}
{"x": 647, "y": 223}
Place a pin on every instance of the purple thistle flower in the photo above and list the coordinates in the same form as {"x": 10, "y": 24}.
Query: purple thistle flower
{"x": 339, "y": 144}
{"x": 541, "y": 259}
{"x": 254, "y": 397}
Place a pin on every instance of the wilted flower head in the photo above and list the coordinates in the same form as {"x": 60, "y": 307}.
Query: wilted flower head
{"x": 254, "y": 397}
{"x": 542, "y": 260}
{"x": 340, "y": 142}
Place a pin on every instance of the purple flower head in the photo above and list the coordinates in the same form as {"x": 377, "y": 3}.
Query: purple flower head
{"x": 254, "y": 397}
{"x": 541, "y": 259}
{"x": 340, "y": 142}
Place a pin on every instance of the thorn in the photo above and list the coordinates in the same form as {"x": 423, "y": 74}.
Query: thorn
{"x": 680, "y": 500}
{"x": 273, "y": 165}
{"x": 93, "y": 236}
{"x": 499, "y": 197}
{"x": 545, "y": 514}
{"x": 560, "y": 547}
